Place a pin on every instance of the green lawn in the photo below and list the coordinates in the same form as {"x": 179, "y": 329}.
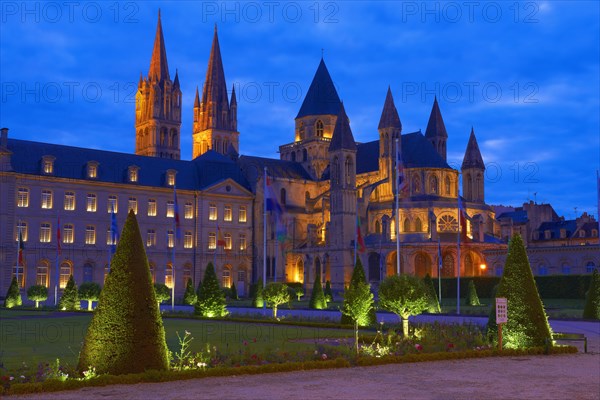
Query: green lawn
{"x": 33, "y": 340}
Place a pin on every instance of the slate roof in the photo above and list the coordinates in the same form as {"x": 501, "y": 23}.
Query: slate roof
{"x": 473, "y": 157}
{"x": 389, "y": 114}
{"x": 518, "y": 216}
{"x": 555, "y": 226}
{"x": 276, "y": 168}
{"x": 436, "y": 126}
{"x": 342, "y": 138}
{"x": 71, "y": 162}
{"x": 321, "y": 98}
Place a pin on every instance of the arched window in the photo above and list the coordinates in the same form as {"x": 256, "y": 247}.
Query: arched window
{"x": 42, "y": 273}
{"x": 433, "y": 185}
{"x": 448, "y": 265}
{"x": 226, "y": 277}
{"x": 319, "y": 128}
{"x": 479, "y": 187}
{"x": 299, "y": 270}
{"x": 169, "y": 275}
{"x": 590, "y": 267}
{"x": 469, "y": 271}
{"x": 468, "y": 190}
{"x": 418, "y": 225}
{"x": 349, "y": 166}
{"x": 416, "y": 184}
{"x": 163, "y": 137}
{"x": 66, "y": 271}
{"x": 377, "y": 227}
{"x": 282, "y": 196}
{"x": 447, "y": 223}
{"x": 406, "y": 225}
{"x": 542, "y": 270}
{"x": 422, "y": 265}
{"x": 447, "y": 186}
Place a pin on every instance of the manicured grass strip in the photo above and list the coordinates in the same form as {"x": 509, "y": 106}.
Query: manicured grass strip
{"x": 167, "y": 376}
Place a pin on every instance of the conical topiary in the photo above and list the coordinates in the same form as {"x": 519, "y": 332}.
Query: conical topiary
{"x": 527, "y": 324}
{"x": 198, "y": 291}
{"x": 433, "y": 301}
{"x": 472, "y": 298}
{"x": 13, "y": 295}
{"x": 234, "y": 294}
{"x": 317, "y": 297}
{"x": 126, "y": 334}
{"x": 257, "y": 298}
{"x": 211, "y": 301}
{"x": 358, "y": 275}
{"x": 592, "y": 303}
{"x": 190, "y": 297}
{"x": 69, "y": 300}
{"x": 327, "y": 292}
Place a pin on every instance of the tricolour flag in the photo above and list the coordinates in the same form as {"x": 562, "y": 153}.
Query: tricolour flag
{"x": 58, "y": 248}
{"x": 277, "y": 211}
{"x": 361, "y": 243}
{"x": 220, "y": 239}
{"x": 462, "y": 221}
{"x": 401, "y": 184}
{"x": 21, "y": 247}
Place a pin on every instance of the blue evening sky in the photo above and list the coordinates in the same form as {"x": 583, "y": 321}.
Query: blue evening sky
{"x": 524, "y": 75}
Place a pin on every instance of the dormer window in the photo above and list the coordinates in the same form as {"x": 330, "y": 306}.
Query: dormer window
{"x": 171, "y": 177}
{"x": 48, "y": 165}
{"x": 92, "y": 169}
{"x": 132, "y": 173}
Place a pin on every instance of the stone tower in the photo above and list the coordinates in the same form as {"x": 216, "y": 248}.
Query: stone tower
{"x": 342, "y": 168}
{"x": 390, "y": 129}
{"x": 473, "y": 169}
{"x": 215, "y": 117}
{"x": 436, "y": 130}
{"x": 158, "y": 106}
{"x": 315, "y": 123}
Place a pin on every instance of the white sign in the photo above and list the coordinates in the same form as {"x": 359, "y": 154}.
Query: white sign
{"x": 501, "y": 310}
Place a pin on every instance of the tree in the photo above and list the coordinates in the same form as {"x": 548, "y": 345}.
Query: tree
{"x": 358, "y": 303}
{"x": 13, "y": 295}
{"x": 257, "y": 298}
{"x": 37, "y": 293}
{"x": 190, "y": 297}
{"x": 433, "y": 305}
{"x": 211, "y": 301}
{"x": 327, "y": 292}
{"x": 276, "y": 294}
{"x": 198, "y": 291}
{"x": 317, "y": 297}
{"x": 126, "y": 334}
{"x": 234, "y": 294}
{"x": 592, "y": 303}
{"x": 298, "y": 292}
{"x": 163, "y": 293}
{"x": 527, "y": 324}
{"x": 403, "y": 295}
{"x": 472, "y": 298}
{"x": 89, "y": 291}
{"x": 69, "y": 300}
{"x": 358, "y": 275}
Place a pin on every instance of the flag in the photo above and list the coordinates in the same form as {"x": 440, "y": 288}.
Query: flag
{"x": 176, "y": 209}
{"x": 58, "y": 249}
{"x": 361, "y": 243}
{"x": 439, "y": 258}
{"x": 21, "y": 247}
{"x": 220, "y": 240}
{"x": 401, "y": 185}
{"x": 277, "y": 211}
{"x": 114, "y": 230}
{"x": 462, "y": 221}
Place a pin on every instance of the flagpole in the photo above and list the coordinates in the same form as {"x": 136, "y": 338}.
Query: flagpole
{"x": 355, "y": 233}
{"x": 173, "y": 251}
{"x": 264, "y": 281}
{"x": 458, "y": 251}
{"x": 19, "y": 252}
{"x": 439, "y": 271}
{"x": 397, "y": 210}
{"x": 57, "y": 257}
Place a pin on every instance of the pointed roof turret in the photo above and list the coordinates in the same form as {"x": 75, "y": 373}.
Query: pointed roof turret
{"x": 342, "y": 138}
{"x": 233, "y": 101}
{"x": 197, "y": 99}
{"x": 159, "y": 68}
{"x": 389, "y": 115}
{"x": 435, "y": 126}
{"x": 321, "y": 98}
{"x": 176, "y": 81}
{"x": 473, "y": 157}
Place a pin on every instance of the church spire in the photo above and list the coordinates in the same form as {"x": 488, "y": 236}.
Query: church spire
{"x": 472, "y": 170}
{"x": 159, "y": 68}
{"x": 436, "y": 130}
{"x": 342, "y": 138}
{"x": 321, "y": 98}
{"x": 389, "y": 115}
{"x": 472, "y": 157}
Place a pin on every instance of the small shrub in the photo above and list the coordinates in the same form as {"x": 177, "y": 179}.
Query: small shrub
{"x": 327, "y": 292}
{"x": 433, "y": 306}
{"x": 37, "y": 293}
{"x": 358, "y": 275}
{"x": 190, "y": 297}
{"x": 13, "y": 295}
{"x": 89, "y": 291}
{"x": 233, "y": 295}
{"x": 70, "y": 297}
{"x": 211, "y": 302}
{"x": 317, "y": 297}
{"x": 163, "y": 293}
{"x": 472, "y": 298}
{"x": 257, "y": 295}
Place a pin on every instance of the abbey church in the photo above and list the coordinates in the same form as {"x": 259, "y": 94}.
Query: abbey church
{"x": 336, "y": 197}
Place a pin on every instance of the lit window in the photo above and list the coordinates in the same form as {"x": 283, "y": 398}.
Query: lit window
{"x": 243, "y": 244}
{"x": 187, "y": 240}
{"x": 69, "y": 201}
{"x": 227, "y": 214}
{"x": 319, "y": 128}
{"x": 169, "y": 276}
{"x": 22, "y": 197}
{"x": 171, "y": 177}
{"x": 132, "y": 205}
{"x": 42, "y": 274}
{"x": 90, "y": 234}
{"x": 65, "y": 274}
{"x": 170, "y": 209}
{"x": 227, "y": 237}
{"x": 188, "y": 210}
{"x": 112, "y": 205}
{"x": 47, "y": 199}
{"x": 21, "y": 271}
{"x": 68, "y": 233}
{"x": 91, "y": 202}
{"x": 21, "y": 227}
{"x": 226, "y": 277}
{"x": 212, "y": 241}
{"x": 152, "y": 208}
{"x": 151, "y": 238}
{"x": 212, "y": 212}
{"x": 92, "y": 170}
{"x": 48, "y": 165}
{"x": 111, "y": 239}
{"x": 170, "y": 238}
{"x": 242, "y": 214}
{"x": 45, "y": 232}
{"x": 133, "y": 174}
